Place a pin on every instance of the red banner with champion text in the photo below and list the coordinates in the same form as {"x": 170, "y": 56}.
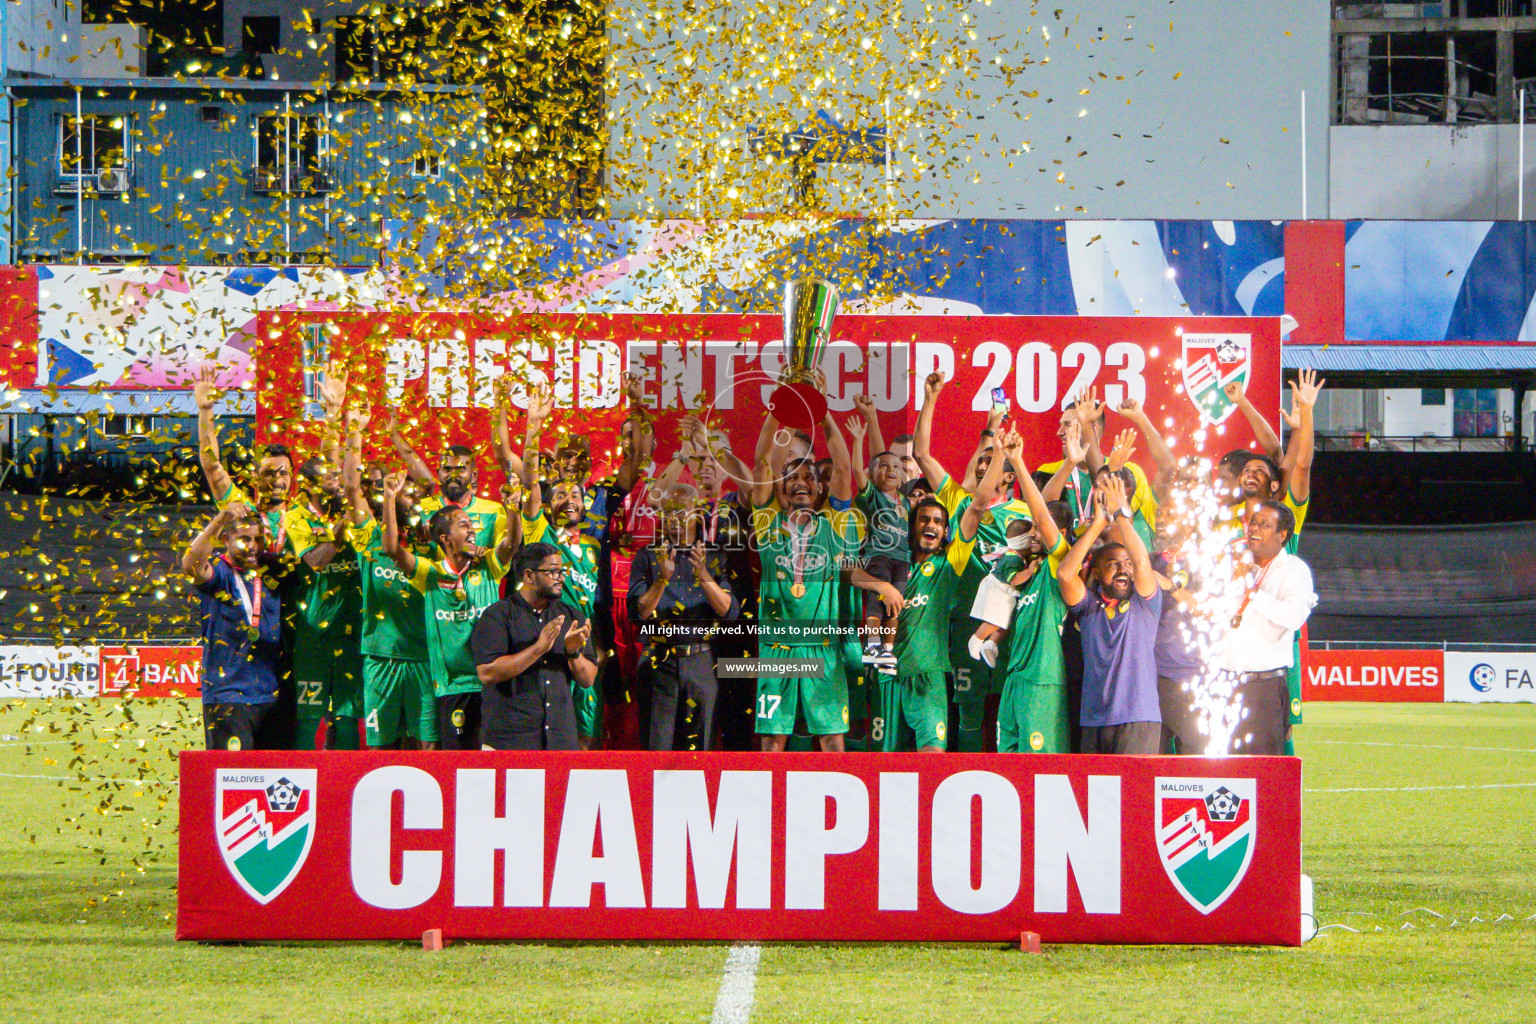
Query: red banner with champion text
{"x": 437, "y": 373}
{"x": 598, "y": 846}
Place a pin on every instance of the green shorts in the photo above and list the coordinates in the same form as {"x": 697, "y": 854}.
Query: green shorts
{"x": 913, "y": 713}
{"x": 1032, "y": 718}
{"x": 328, "y": 680}
{"x": 398, "y": 700}
{"x": 974, "y": 681}
{"x": 822, "y": 699}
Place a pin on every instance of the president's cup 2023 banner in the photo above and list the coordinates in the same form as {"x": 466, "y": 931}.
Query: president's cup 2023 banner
{"x": 386, "y": 845}
{"x": 437, "y": 371}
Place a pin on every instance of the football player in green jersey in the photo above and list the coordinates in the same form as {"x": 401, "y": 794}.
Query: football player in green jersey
{"x": 398, "y": 698}
{"x": 803, "y": 550}
{"x": 975, "y": 683}
{"x": 458, "y": 588}
{"x": 913, "y": 706}
{"x": 455, "y": 481}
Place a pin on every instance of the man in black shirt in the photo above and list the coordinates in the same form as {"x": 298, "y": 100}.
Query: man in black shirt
{"x": 527, "y": 649}
{"x": 678, "y": 592}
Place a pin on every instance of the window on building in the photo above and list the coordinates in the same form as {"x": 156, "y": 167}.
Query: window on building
{"x": 261, "y": 34}
{"x": 1432, "y": 396}
{"x": 354, "y": 50}
{"x": 1475, "y": 412}
{"x": 427, "y": 165}
{"x": 91, "y": 144}
{"x": 125, "y": 426}
{"x": 290, "y": 154}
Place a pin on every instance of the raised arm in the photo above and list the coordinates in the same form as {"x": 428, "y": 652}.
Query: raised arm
{"x": 987, "y": 438}
{"x": 1069, "y": 573}
{"x": 1089, "y": 410}
{"x": 196, "y": 562}
{"x": 419, "y": 470}
{"x": 203, "y": 393}
{"x": 1262, "y": 431}
{"x": 1298, "y": 472}
{"x": 540, "y": 403}
{"x": 333, "y": 395}
{"x": 1119, "y": 512}
{"x": 762, "y": 468}
{"x": 1073, "y": 455}
{"x": 352, "y": 466}
{"x": 860, "y": 464}
{"x": 871, "y": 417}
{"x": 841, "y": 487}
{"x": 1010, "y": 445}
{"x": 1156, "y": 446}
{"x": 933, "y": 470}
{"x": 404, "y": 559}
{"x": 501, "y": 435}
{"x": 638, "y": 451}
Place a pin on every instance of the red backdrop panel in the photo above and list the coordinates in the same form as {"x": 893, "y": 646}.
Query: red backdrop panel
{"x": 377, "y": 844}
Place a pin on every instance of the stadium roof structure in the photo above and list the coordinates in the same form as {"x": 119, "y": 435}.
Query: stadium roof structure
{"x": 118, "y": 402}
{"x": 1468, "y": 364}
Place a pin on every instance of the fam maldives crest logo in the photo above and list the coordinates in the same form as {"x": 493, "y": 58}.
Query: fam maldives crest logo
{"x": 1211, "y": 362}
{"x": 1205, "y": 836}
{"x": 266, "y": 826}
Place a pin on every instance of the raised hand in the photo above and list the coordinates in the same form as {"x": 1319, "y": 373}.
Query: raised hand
{"x": 857, "y": 428}
{"x": 1305, "y": 391}
{"x": 1234, "y": 390}
{"x": 1125, "y": 447}
{"x": 1013, "y": 447}
{"x": 204, "y": 391}
{"x": 1088, "y": 408}
{"x": 932, "y": 385}
{"x": 821, "y": 380}
{"x": 1072, "y": 447}
{"x": 1099, "y": 512}
{"x": 1130, "y": 408}
{"x": 541, "y": 402}
{"x": 359, "y": 418}
{"x": 333, "y": 387}
{"x": 393, "y": 484}
{"x": 634, "y": 390}
{"x": 1113, "y": 490}
{"x": 865, "y": 404}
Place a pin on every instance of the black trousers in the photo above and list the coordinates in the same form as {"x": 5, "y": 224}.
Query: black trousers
{"x": 678, "y": 694}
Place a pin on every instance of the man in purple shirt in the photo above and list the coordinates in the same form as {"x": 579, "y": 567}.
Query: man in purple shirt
{"x": 1118, "y": 615}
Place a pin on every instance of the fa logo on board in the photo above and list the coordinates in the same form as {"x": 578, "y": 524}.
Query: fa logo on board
{"x": 1211, "y": 362}
{"x": 266, "y": 825}
{"x": 1205, "y": 836}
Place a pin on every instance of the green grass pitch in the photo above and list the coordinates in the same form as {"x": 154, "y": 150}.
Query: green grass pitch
{"x": 1420, "y": 825}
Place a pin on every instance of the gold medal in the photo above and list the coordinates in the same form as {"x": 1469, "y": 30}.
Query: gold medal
{"x": 988, "y": 518}
{"x": 798, "y": 590}
{"x": 1237, "y": 620}
{"x": 458, "y": 593}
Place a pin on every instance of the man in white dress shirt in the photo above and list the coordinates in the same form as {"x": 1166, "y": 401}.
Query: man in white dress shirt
{"x": 1260, "y": 647}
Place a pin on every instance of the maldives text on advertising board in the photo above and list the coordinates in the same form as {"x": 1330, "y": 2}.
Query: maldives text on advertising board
{"x": 439, "y": 370}
{"x": 739, "y": 846}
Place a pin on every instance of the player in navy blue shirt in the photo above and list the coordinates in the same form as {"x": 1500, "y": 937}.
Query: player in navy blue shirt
{"x": 242, "y": 628}
{"x": 1118, "y": 615}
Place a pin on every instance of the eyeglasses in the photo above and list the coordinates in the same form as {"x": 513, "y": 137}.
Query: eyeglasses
{"x": 552, "y": 572}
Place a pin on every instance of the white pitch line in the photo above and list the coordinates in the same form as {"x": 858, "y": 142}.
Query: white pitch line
{"x": 1426, "y": 788}
{"x": 93, "y": 778}
{"x": 733, "y": 1004}
{"x": 1427, "y": 746}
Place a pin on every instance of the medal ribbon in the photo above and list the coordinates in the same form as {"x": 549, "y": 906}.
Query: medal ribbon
{"x": 1253, "y": 588}
{"x": 251, "y": 602}
{"x": 799, "y": 545}
{"x": 458, "y": 577}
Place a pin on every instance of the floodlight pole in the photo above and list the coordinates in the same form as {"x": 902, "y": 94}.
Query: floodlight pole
{"x": 1303, "y": 154}
{"x": 1520, "y": 165}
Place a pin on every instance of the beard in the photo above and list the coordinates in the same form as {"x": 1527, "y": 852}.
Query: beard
{"x": 454, "y": 490}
